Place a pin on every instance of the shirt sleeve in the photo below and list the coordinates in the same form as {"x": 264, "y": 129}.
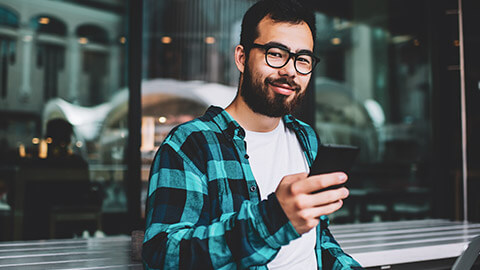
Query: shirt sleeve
{"x": 181, "y": 232}
{"x": 333, "y": 257}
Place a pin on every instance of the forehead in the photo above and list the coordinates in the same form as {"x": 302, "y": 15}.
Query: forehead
{"x": 294, "y": 36}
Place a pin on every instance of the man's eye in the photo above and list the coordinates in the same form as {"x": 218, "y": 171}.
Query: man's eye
{"x": 275, "y": 54}
{"x": 304, "y": 59}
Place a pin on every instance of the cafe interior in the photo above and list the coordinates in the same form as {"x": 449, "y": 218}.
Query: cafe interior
{"x": 89, "y": 89}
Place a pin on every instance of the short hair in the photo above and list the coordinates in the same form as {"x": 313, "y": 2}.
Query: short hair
{"x": 290, "y": 11}
{"x": 60, "y": 130}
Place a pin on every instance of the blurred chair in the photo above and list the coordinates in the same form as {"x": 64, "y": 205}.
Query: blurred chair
{"x": 79, "y": 213}
{"x": 54, "y": 202}
{"x": 54, "y": 189}
{"x": 136, "y": 245}
{"x": 466, "y": 260}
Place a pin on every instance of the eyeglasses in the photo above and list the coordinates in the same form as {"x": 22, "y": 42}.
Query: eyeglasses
{"x": 277, "y": 57}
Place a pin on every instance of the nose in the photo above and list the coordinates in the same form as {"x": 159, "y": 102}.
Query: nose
{"x": 289, "y": 68}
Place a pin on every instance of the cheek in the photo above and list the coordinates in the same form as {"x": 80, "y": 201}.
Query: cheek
{"x": 304, "y": 82}
{"x": 258, "y": 75}
{"x": 259, "y": 69}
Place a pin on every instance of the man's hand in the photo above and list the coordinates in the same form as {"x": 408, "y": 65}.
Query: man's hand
{"x": 302, "y": 206}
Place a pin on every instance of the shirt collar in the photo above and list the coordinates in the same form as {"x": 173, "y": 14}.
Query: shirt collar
{"x": 232, "y": 129}
{"x": 225, "y": 122}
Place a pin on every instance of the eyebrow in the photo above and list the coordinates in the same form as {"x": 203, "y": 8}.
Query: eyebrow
{"x": 280, "y": 45}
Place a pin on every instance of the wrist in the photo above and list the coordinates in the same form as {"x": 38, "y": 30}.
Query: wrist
{"x": 278, "y": 227}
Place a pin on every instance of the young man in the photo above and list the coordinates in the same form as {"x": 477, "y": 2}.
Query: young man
{"x": 230, "y": 190}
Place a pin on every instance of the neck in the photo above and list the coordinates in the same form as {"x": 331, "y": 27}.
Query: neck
{"x": 249, "y": 119}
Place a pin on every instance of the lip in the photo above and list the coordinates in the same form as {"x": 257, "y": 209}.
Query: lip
{"x": 283, "y": 89}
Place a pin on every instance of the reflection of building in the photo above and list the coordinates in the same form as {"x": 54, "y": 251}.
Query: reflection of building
{"x": 342, "y": 119}
{"x": 54, "y": 49}
{"x": 192, "y": 40}
{"x": 103, "y": 128}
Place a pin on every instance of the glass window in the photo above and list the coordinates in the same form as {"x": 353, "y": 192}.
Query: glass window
{"x": 49, "y": 25}
{"x": 8, "y": 21}
{"x": 8, "y": 17}
{"x": 63, "y": 118}
{"x": 188, "y": 65}
{"x": 372, "y": 90}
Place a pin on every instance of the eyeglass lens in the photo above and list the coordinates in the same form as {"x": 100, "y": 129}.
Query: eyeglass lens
{"x": 277, "y": 57}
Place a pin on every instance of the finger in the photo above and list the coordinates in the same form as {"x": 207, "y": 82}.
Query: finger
{"x": 326, "y": 209}
{"x": 318, "y": 182}
{"x": 328, "y": 196}
{"x": 306, "y": 201}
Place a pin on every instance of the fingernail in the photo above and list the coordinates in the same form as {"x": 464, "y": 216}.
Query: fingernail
{"x": 342, "y": 177}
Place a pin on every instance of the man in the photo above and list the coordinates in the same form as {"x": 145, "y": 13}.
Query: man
{"x": 58, "y": 182}
{"x": 230, "y": 190}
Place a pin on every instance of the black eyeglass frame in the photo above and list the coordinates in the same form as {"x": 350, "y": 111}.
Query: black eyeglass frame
{"x": 291, "y": 55}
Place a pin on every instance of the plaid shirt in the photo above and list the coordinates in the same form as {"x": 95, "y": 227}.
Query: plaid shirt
{"x": 204, "y": 209}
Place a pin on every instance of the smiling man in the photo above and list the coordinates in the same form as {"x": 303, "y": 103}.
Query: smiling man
{"x": 230, "y": 190}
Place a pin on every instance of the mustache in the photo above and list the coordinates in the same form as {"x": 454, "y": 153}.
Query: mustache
{"x": 282, "y": 80}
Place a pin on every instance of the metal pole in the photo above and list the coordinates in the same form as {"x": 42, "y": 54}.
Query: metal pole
{"x": 463, "y": 111}
{"x": 133, "y": 180}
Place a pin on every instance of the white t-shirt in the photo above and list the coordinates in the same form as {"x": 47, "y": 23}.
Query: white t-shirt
{"x": 274, "y": 155}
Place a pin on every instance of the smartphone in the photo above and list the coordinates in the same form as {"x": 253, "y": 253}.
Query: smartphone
{"x": 334, "y": 158}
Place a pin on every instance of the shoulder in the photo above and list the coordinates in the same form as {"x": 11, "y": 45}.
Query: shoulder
{"x": 196, "y": 130}
{"x": 306, "y": 129}
{"x": 194, "y": 140}
{"x": 192, "y": 143}
{"x": 305, "y": 134}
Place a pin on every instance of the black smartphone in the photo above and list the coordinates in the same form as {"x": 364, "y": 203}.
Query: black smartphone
{"x": 334, "y": 158}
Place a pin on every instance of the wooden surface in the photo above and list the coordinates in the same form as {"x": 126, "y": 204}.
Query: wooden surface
{"x": 423, "y": 244}
{"x": 97, "y": 253}
{"x": 412, "y": 243}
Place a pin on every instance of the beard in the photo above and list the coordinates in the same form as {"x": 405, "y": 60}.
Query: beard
{"x": 258, "y": 97}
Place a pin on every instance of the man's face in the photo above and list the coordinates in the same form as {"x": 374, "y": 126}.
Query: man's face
{"x": 270, "y": 91}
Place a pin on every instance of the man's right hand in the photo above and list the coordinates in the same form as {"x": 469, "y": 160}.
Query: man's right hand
{"x": 303, "y": 207}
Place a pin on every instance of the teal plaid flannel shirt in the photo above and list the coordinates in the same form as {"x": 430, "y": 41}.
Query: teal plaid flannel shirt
{"x": 203, "y": 208}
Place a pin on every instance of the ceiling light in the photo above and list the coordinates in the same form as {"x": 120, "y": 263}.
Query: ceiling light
{"x": 166, "y": 40}
{"x": 210, "y": 40}
{"x": 44, "y": 20}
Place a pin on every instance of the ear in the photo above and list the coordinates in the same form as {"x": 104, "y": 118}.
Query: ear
{"x": 240, "y": 58}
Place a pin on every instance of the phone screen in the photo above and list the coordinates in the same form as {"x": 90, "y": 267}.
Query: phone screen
{"x": 334, "y": 158}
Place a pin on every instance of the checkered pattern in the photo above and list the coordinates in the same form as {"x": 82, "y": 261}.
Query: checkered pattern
{"x": 204, "y": 209}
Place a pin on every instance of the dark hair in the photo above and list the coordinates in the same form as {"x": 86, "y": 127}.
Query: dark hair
{"x": 280, "y": 11}
{"x": 59, "y": 130}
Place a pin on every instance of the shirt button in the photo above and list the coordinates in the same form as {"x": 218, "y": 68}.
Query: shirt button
{"x": 247, "y": 156}
{"x": 253, "y": 188}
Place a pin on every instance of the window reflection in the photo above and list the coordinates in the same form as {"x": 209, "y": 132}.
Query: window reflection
{"x": 8, "y": 44}
{"x": 7, "y": 58}
{"x": 167, "y": 103}
{"x": 371, "y": 89}
{"x": 49, "y": 25}
{"x": 62, "y": 60}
